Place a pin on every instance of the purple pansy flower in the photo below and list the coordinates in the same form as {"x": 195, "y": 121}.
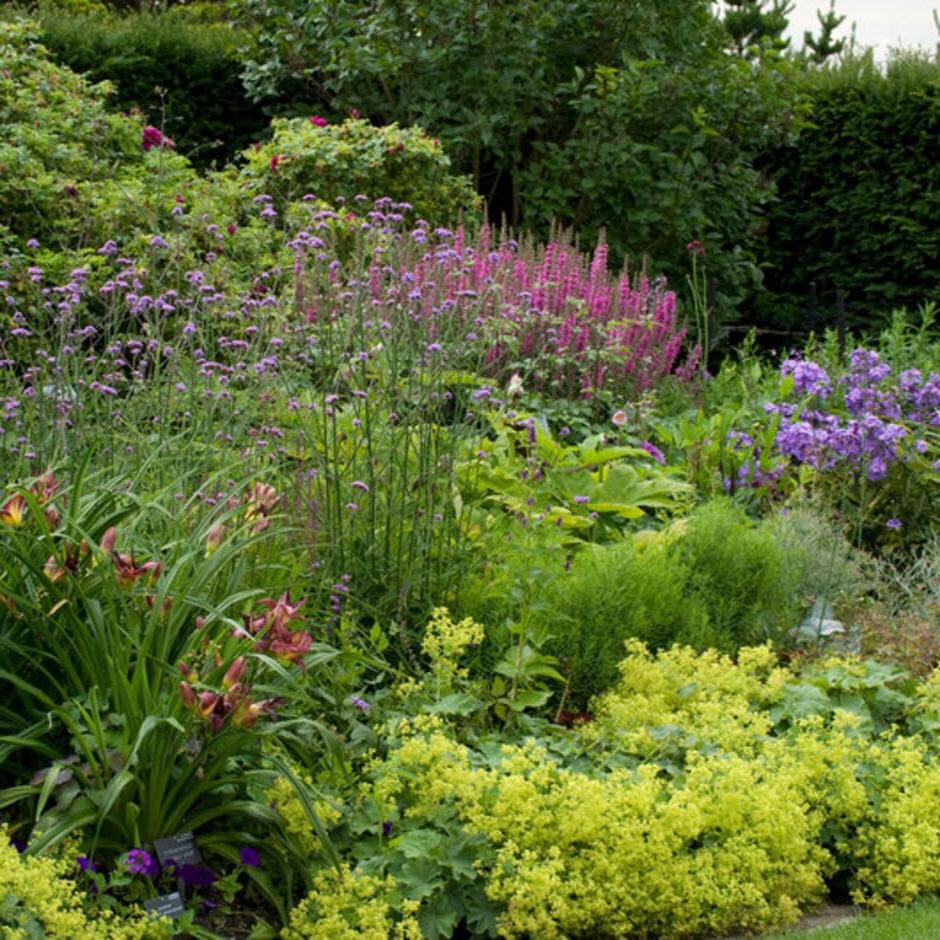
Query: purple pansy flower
{"x": 249, "y": 856}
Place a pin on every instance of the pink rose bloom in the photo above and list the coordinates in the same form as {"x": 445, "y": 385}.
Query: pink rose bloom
{"x": 153, "y": 137}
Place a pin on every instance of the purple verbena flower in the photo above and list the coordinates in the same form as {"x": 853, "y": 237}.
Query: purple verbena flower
{"x": 139, "y": 862}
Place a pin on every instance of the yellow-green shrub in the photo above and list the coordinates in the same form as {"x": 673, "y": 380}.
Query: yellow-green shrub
{"x": 628, "y": 852}
{"x": 708, "y": 795}
{"x": 348, "y": 905}
{"x": 354, "y": 157}
{"x": 37, "y": 898}
{"x": 704, "y": 694}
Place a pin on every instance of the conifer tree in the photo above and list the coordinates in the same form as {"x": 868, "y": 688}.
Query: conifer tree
{"x": 752, "y": 23}
{"x": 819, "y": 48}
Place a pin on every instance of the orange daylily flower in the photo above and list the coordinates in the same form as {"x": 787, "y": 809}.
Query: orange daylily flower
{"x": 11, "y": 512}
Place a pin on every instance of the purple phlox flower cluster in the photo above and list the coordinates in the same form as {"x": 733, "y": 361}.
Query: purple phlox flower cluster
{"x": 868, "y": 432}
{"x": 824, "y": 440}
{"x": 864, "y": 391}
{"x": 808, "y": 377}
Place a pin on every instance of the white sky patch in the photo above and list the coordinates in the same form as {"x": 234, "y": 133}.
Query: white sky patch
{"x": 880, "y": 23}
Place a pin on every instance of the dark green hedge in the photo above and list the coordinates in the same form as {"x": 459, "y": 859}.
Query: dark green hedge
{"x": 858, "y": 206}
{"x": 203, "y": 105}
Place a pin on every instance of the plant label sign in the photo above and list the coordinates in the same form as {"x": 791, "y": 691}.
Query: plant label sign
{"x": 167, "y": 905}
{"x": 180, "y": 848}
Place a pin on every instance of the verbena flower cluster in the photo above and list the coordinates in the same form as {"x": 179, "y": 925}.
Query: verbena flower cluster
{"x": 85, "y": 345}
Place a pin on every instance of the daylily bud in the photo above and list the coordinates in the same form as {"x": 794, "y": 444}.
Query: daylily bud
{"x": 187, "y": 672}
{"x": 215, "y": 539}
{"x": 44, "y": 488}
{"x": 188, "y": 695}
{"x": 108, "y": 541}
{"x": 207, "y": 702}
{"x": 235, "y": 673}
{"x": 53, "y": 570}
{"x": 165, "y": 606}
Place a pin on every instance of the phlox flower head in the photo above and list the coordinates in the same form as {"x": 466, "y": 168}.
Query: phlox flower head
{"x": 808, "y": 377}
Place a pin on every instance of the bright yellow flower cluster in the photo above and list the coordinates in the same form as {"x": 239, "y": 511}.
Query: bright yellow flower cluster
{"x": 44, "y": 896}
{"x": 626, "y": 853}
{"x": 284, "y": 800}
{"x": 888, "y": 832}
{"x": 704, "y": 694}
{"x": 739, "y": 836}
{"x": 347, "y": 905}
{"x": 445, "y": 641}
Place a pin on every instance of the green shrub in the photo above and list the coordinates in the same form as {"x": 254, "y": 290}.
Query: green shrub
{"x": 715, "y": 579}
{"x": 615, "y": 592}
{"x": 183, "y": 75}
{"x": 663, "y": 157}
{"x": 741, "y": 573}
{"x": 858, "y": 197}
{"x": 354, "y": 158}
{"x": 63, "y": 154}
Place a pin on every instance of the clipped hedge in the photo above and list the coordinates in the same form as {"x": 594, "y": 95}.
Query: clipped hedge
{"x": 858, "y": 198}
{"x": 184, "y": 75}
